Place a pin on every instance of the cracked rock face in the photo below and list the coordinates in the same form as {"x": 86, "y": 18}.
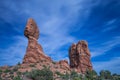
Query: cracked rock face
{"x": 34, "y": 52}
{"x": 80, "y": 57}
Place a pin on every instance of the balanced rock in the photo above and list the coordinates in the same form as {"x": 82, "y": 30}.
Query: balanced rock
{"x": 80, "y": 57}
{"x": 79, "y": 54}
{"x": 35, "y": 58}
{"x": 34, "y": 52}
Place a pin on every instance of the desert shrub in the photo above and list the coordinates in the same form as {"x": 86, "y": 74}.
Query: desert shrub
{"x": 7, "y": 70}
{"x": 18, "y": 63}
{"x": 73, "y": 74}
{"x": 32, "y": 65}
{"x": 44, "y": 74}
{"x": 77, "y": 78}
{"x": 65, "y": 76}
{"x": 105, "y": 74}
{"x": 0, "y": 74}
{"x": 91, "y": 74}
{"x": 17, "y": 78}
{"x": 115, "y": 77}
{"x": 15, "y": 69}
{"x": 0, "y": 71}
{"x": 11, "y": 76}
{"x": 54, "y": 62}
{"x": 58, "y": 73}
{"x": 0, "y": 78}
{"x": 19, "y": 73}
{"x": 11, "y": 72}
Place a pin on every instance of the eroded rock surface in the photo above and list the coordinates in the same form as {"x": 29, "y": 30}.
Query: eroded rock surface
{"x": 80, "y": 57}
{"x": 79, "y": 54}
{"x": 35, "y": 55}
{"x": 34, "y": 52}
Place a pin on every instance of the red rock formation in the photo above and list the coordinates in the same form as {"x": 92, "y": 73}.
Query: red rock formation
{"x": 64, "y": 63}
{"x": 79, "y": 53}
{"x": 34, "y": 51}
{"x": 35, "y": 55}
{"x": 80, "y": 57}
{"x": 35, "y": 58}
{"x": 72, "y": 56}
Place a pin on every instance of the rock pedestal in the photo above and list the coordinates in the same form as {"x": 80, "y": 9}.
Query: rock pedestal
{"x": 34, "y": 52}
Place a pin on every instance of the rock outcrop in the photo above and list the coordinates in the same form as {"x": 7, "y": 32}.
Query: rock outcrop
{"x": 79, "y": 54}
{"x": 80, "y": 57}
{"x": 35, "y": 58}
{"x": 34, "y": 51}
{"x": 35, "y": 55}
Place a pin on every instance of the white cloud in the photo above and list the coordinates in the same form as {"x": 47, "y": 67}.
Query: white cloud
{"x": 112, "y": 65}
{"x": 15, "y": 52}
{"x": 104, "y": 47}
{"x": 109, "y": 25}
{"x": 55, "y": 19}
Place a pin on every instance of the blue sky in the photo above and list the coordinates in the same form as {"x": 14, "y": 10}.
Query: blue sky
{"x": 61, "y": 23}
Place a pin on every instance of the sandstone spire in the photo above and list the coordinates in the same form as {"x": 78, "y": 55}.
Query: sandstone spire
{"x": 80, "y": 57}
{"x": 34, "y": 52}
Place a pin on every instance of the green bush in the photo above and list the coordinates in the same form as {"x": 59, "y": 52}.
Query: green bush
{"x": 73, "y": 74}
{"x": 77, "y": 78}
{"x": 18, "y": 63}
{"x": 15, "y": 68}
{"x": 0, "y": 78}
{"x": 115, "y": 77}
{"x": 7, "y": 70}
{"x": 17, "y": 78}
{"x": 0, "y": 71}
{"x": 44, "y": 74}
{"x": 91, "y": 75}
{"x": 32, "y": 65}
{"x": 105, "y": 74}
{"x": 65, "y": 76}
{"x": 54, "y": 62}
{"x": 58, "y": 73}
